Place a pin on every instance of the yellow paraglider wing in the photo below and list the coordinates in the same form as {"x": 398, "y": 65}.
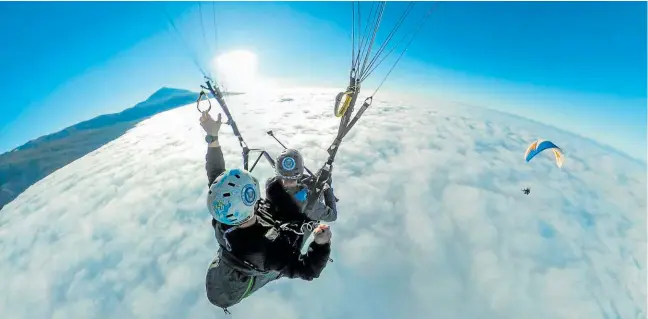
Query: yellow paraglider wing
{"x": 560, "y": 159}
{"x": 530, "y": 149}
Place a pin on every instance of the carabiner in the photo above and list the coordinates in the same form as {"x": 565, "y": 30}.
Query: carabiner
{"x": 200, "y": 96}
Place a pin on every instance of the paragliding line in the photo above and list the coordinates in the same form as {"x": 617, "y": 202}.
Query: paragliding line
{"x": 402, "y": 53}
{"x": 215, "y": 29}
{"x": 193, "y": 55}
{"x": 345, "y": 101}
{"x": 202, "y": 24}
{"x": 389, "y": 37}
{"x": 362, "y": 65}
{"x": 218, "y": 95}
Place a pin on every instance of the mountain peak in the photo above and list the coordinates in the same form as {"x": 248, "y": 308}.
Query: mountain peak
{"x": 166, "y": 93}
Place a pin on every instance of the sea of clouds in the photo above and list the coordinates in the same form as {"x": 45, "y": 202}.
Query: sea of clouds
{"x": 432, "y": 221}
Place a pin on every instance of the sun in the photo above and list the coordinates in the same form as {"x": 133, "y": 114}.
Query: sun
{"x": 237, "y": 69}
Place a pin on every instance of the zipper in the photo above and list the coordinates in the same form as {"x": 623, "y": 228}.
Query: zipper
{"x": 249, "y": 288}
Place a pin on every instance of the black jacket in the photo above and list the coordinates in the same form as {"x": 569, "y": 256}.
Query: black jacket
{"x": 325, "y": 208}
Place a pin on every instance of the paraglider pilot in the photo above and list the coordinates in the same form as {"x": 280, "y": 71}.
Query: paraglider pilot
{"x": 253, "y": 249}
{"x": 289, "y": 169}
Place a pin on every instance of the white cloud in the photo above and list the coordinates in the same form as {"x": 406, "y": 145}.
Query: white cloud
{"x": 432, "y": 222}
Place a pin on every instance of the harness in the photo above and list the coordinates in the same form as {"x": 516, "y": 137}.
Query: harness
{"x": 290, "y": 232}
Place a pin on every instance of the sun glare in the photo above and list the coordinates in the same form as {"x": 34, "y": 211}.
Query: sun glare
{"x": 237, "y": 69}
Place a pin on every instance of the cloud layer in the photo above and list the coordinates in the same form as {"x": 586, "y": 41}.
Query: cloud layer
{"x": 432, "y": 222}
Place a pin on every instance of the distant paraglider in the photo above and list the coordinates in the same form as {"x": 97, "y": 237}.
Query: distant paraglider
{"x": 540, "y": 145}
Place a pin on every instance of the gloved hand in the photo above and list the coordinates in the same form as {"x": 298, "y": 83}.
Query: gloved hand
{"x": 322, "y": 234}
{"x": 208, "y": 124}
{"x": 327, "y": 174}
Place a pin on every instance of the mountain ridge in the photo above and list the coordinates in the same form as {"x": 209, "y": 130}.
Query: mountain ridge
{"x": 27, "y": 164}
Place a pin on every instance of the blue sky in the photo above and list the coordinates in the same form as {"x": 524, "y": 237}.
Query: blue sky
{"x": 579, "y": 66}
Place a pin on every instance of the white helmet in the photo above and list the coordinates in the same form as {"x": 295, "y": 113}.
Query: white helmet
{"x": 232, "y": 197}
